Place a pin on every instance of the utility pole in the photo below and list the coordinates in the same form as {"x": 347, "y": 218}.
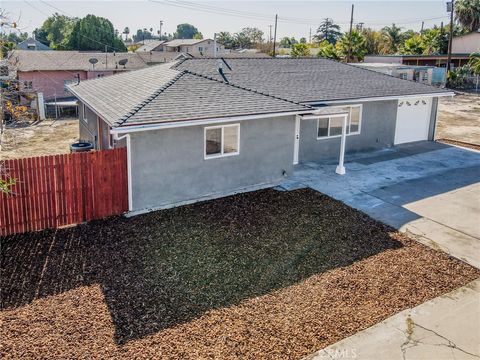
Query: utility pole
{"x": 275, "y": 35}
{"x": 450, "y": 38}
{"x": 350, "y": 37}
{"x": 160, "y": 35}
{"x": 270, "y": 37}
{"x": 310, "y": 36}
{"x": 421, "y": 30}
{"x": 359, "y": 26}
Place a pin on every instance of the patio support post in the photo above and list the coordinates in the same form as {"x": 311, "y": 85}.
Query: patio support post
{"x": 340, "y": 170}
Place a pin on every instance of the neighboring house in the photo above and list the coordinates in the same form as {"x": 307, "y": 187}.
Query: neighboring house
{"x": 151, "y": 45}
{"x": 466, "y": 44}
{"x": 430, "y": 75}
{"x": 32, "y": 44}
{"x": 49, "y": 71}
{"x": 193, "y": 132}
{"x": 195, "y": 47}
{"x": 420, "y": 60}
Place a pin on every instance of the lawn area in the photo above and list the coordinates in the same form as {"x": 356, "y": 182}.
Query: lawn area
{"x": 265, "y": 274}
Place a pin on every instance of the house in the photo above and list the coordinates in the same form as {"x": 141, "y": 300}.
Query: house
{"x": 430, "y": 75}
{"x": 49, "y": 71}
{"x": 32, "y": 44}
{"x": 151, "y": 45}
{"x": 458, "y": 59}
{"x": 466, "y": 44}
{"x": 201, "y": 128}
{"x": 195, "y": 47}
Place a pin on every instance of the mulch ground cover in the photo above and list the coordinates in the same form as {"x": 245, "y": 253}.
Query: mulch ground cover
{"x": 261, "y": 275}
{"x": 460, "y": 143}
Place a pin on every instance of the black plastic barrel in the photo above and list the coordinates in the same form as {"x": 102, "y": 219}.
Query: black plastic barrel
{"x": 81, "y": 146}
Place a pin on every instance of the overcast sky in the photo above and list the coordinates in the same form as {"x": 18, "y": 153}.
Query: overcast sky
{"x": 295, "y": 17}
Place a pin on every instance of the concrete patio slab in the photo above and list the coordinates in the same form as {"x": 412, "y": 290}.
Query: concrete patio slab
{"x": 446, "y": 327}
{"x": 428, "y": 189}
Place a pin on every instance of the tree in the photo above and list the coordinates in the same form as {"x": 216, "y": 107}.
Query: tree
{"x": 353, "y": 43}
{"x": 413, "y": 46}
{"x": 142, "y": 35}
{"x": 56, "y": 31}
{"x": 95, "y": 33}
{"x": 242, "y": 41}
{"x": 373, "y": 41}
{"x": 287, "y": 42}
{"x": 327, "y": 30}
{"x": 185, "y": 31}
{"x": 255, "y": 35}
{"x": 392, "y": 36}
{"x": 126, "y": 31}
{"x": 435, "y": 41}
{"x": 474, "y": 63}
{"x": 300, "y": 50}
{"x": 467, "y": 13}
{"x": 302, "y": 40}
{"x": 327, "y": 50}
{"x": 198, "y": 36}
{"x": 225, "y": 38}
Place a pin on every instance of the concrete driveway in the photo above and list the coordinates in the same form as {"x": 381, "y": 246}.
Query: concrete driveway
{"x": 428, "y": 189}
{"x": 431, "y": 191}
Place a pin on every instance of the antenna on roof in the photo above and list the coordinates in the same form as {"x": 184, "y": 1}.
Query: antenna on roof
{"x": 225, "y": 62}
{"x": 123, "y": 62}
{"x": 93, "y": 61}
{"x": 220, "y": 70}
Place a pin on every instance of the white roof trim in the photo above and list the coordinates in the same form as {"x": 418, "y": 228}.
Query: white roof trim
{"x": 380, "y": 98}
{"x": 185, "y": 123}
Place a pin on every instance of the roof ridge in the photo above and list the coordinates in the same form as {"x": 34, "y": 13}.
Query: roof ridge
{"x": 247, "y": 89}
{"x": 150, "y": 98}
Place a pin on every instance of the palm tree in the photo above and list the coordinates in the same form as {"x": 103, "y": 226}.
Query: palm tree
{"x": 474, "y": 62}
{"x": 393, "y": 38}
{"x": 467, "y": 13}
{"x": 353, "y": 44}
{"x": 225, "y": 38}
{"x": 126, "y": 31}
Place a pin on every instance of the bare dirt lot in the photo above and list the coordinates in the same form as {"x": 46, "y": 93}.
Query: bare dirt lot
{"x": 46, "y": 137}
{"x": 261, "y": 275}
{"x": 459, "y": 118}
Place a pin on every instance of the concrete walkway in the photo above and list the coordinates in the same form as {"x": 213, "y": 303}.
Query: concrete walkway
{"x": 430, "y": 190}
{"x": 446, "y": 327}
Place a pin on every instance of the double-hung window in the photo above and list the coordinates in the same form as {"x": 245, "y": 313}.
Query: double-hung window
{"x": 331, "y": 125}
{"x": 222, "y": 141}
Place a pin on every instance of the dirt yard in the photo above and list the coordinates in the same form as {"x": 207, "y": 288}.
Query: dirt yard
{"x": 261, "y": 275}
{"x": 459, "y": 118}
{"x": 42, "y": 138}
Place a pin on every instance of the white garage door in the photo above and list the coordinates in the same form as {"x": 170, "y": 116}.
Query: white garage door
{"x": 413, "y": 120}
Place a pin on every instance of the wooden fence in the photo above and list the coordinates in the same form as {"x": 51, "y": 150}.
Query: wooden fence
{"x": 57, "y": 190}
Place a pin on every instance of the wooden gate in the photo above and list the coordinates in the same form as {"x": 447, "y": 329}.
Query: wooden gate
{"x": 58, "y": 190}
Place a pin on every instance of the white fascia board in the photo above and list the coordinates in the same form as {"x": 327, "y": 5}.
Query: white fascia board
{"x": 177, "y": 124}
{"x": 380, "y": 98}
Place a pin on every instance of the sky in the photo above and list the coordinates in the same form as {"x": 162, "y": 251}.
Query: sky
{"x": 296, "y": 18}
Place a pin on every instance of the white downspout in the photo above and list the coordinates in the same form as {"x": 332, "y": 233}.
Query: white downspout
{"x": 340, "y": 170}
{"x": 129, "y": 167}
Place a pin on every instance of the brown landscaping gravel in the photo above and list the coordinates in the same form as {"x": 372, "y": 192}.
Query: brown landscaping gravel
{"x": 460, "y": 143}
{"x": 262, "y": 275}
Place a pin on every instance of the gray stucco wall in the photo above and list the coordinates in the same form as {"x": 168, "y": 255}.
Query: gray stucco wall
{"x": 168, "y": 165}
{"x": 88, "y": 129}
{"x": 377, "y": 131}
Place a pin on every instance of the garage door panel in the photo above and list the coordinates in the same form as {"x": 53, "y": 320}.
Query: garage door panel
{"x": 413, "y": 120}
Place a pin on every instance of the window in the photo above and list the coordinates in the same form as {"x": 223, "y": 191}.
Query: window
{"x": 222, "y": 141}
{"x": 331, "y": 125}
{"x": 84, "y": 113}
{"x": 28, "y": 85}
{"x": 200, "y": 49}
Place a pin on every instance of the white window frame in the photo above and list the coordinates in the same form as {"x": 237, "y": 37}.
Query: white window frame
{"x": 84, "y": 113}
{"x": 348, "y": 120}
{"x": 222, "y": 154}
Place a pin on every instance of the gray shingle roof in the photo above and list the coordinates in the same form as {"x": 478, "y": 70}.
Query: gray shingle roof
{"x": 25, "y": 60}
{"x": 308, "y": 79}
{"x": 162, "y": 94}
{"x": 179, "y": 42}
{"x": 151, "y": 45}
